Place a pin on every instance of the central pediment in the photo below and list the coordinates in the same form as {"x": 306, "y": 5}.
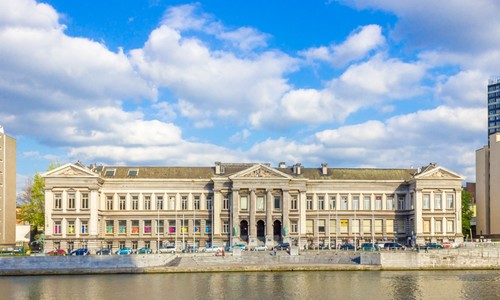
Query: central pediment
{"x": 70, "y": 170}
{"x": 439, "y": 173}
{"x": 260, "y": 171}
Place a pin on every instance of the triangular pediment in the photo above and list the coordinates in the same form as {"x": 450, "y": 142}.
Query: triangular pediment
{"x": 260, "y": 171}
{"x": 439, "y": 173}
{"x": 70, "y": 170}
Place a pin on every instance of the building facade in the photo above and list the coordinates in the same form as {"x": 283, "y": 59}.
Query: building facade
{"x": 250, "y": 203}
{"x": 493, "y": 106}
{"x": 488, "y": 188}
{"x": 7, "y": 191}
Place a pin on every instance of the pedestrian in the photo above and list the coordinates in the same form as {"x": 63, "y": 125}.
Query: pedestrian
{"x": 274, "y": 251}
{"x": 223, "y": 252}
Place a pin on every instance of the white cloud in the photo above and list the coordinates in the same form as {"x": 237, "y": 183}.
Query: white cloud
{"x": 245, "y": 38}
{"x": 357, "y": 46}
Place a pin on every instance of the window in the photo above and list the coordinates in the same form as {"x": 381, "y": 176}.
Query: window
{"x": 260, "y": 203}
{"x": 378, "y": 202}
{"x": 321, "y": 202}
{"x": 121, "y": 244}
{"x": 277, "y": 202}
{"x": 225, "y": 227}
{"x": 85, "y": 226}
{"x": 197, "y": 202}
{"x": 344, "y": 226}
{"x": 400, "y": 224}
{"x": 172, "y": 226}
{"x": 209, "y": 202}
{"x": 333, "y": 226}
{"x": 412, "y": 201}
{"x": 57, "y": 201}
{"x": 333, "y": 202}
{"x": 71, "y": 201}
{"x": 135, "y": 227}
{"x": 378, "y": 226}
{"x": 367, "y": 226}
{"x": 401, "y": 202}
{"x": 389, "y": 202}
{"x": 427, "y": 226}
{"x": 321, "y": 226}
{"x": 197, "y": 226}
{"x": 225, "y": 202}
{"x": 293, "y": 226}
{"x": 244, "y": 203}
{"x": 85, "y": 200}
{"x": 135, "y": 202}
{"x": 147, "y": 226}
{"x": 171, "y": 202}
{"x": 147, "y": 202}
{"x": 309, "y": 226}
{"x": 293, "y": 203}
{"x": 449, "y": 226}
{"x": 122, "y": 203}
{"x": 71, "y": 227}
{"x": 427, "y": 201}
{"x": 109, "y": 226}
{"x": 159, "y": 202}
{"x": 133, "y": 172}
{"x": 355, "y": 202}
{"x": 134, "y": 245}
{"x": 159, "y": 226}
{"x": 355, "y": 226}
{"x": 122, "y": 226}
{"x": 208, "y": 226}
{"x": 184, "y": 203}
{"x": 184, "y": 228}
{"x": 309, "y": 203}
{"x": 389, "y": 226}
{"x": 343, "y": 202}
{"x": 367, "y": 202}
{"x": 109, "y": 202}
{"x": 438, "y": 226}
{"x": 449, "y": 201}
{"x": 110, "y": 172}
{"x": 57, "y": 227}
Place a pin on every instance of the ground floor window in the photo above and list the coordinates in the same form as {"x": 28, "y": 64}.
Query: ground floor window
{"x": 309, "y": 226}
{"x": 344, "y": 226}
{"x": 321, "y": 226}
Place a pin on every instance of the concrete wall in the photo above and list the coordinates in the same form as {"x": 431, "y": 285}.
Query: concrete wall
{"x": 495, "y": 184}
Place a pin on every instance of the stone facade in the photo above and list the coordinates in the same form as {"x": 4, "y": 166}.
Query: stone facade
{"x": 250, "y": 203}
{"x": 7, "y": 191}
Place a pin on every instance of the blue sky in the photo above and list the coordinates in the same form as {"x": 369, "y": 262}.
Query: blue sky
{"x": 353, "y": 83}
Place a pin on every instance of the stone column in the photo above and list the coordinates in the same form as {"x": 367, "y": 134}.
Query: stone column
{"x": 286, "y": 216}
{"x": 93, "y": 205}
{"x": 269, "y": 215}
{"x": 217, "y": 208}
{"x": 235, "y": 217}
{"x": 252, "y": 234}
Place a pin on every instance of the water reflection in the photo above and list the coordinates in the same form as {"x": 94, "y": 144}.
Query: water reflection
{"x": 260, "y": 285}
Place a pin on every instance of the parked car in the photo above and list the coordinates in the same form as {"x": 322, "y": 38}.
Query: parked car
{"x": 282, "y": 246}
{"x": 260, "y": 248}
{"x": 324, "y": 247}
{"x": 124, "y": 251}
{"x": 167, "y": 249}
{"x": 58, "y": 252}
{"x": 448, "y": 245}
{"x": 144, "y": 250}
{"x": 103, "y": 251}
{"x": 433, "y": 246}
{"x": 241, "y": 246}
{"x": 190, "y": 249}
{"x": 369, "y": 247}
{"x": 81, "y": 251}
{"x": 347, "y": 246}
{"x": 393, "y": 246}
{"x": 213, "y": 249}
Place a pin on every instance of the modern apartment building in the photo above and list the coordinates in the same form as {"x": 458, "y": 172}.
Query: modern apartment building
{"x": 488, "y": 188}
{"x": 7, "y": 191}
{"x": 493, "y": 106}
{"x": 250, "y": 203}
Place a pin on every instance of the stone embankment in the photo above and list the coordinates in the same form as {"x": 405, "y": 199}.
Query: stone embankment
{"x": 251, "y": 261}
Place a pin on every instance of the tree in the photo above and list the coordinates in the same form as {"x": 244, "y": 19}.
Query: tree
{"x": 466, "y": 212}
{"x": 32, "y": 201}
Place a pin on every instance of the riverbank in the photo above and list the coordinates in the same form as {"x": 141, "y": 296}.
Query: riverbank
{"x": 252, "y": 262}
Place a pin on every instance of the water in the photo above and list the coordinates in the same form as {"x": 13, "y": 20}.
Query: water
{"x": 260, "y": 285}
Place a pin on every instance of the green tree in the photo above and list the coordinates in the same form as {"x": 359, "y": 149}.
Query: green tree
{"x": 466, "y": 211}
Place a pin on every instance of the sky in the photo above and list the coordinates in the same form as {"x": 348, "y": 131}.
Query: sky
{"x": 350, "y": 83}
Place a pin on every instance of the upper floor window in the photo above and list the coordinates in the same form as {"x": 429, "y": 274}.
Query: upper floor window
{"x": 184, "y": 203}
{"x": 122, "y": 226}
{"x": 367, "y": 202}
{"x": 438, "y": 201}
{"x": 57, "y": 227}
{"x": 172, "y": 205}
{"x": 277, "y": 202}
{"x": 58, "y": 201}
{"x": 147, "y": 226}
{"x": 197, "y": 202}
{"x": 333, "y": 202}
{"x": 135, "y": 202}
{"x": 85, "y": 201}
{"x": 122, "y": 203}
{"x": 225, "y": 202}
{"x": 109, "y": 226}
{"x": 401, "y": 202}
{"x": 159, "y": 202}
{"x": 390, "y": 202}
{"x": 378, "y": 202}
{"x": 225, "y": 227}
{"x": 71, "y": 227}
{"x": 147, "y": 202}
{"x": 321, "y": 202}
{"x": 244, "y": 203}
{"x": 355, "y": 202}
{"x": 343, "y": 202}
{"x": 84, "y": 226}
{"x": 109, "y": 202}
{"x": 260, "y": 203}
{"x": 309, "y": 203}
{"x": 426, "y": 201}
{"x": 209, "y": 202}
{"x": 293, "y": 203}
{"x": 449, "y": 201}
{"x": 71, "y": 201}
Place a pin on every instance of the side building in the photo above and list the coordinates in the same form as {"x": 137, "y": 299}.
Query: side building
{"x": 250, "y": 203}
{"x": 7, "y": 191}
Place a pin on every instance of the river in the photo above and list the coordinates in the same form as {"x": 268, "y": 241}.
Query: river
{"x": 259, "y": 285}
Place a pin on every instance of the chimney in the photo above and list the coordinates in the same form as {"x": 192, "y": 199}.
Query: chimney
{"x": 324, "y": 170}
{"x": 282, "y": 165}
{"x": 296, "y": 168}
{"x": 218, "y": 168}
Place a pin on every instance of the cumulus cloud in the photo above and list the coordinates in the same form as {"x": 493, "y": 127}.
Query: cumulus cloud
{"x": 357, "y": 46}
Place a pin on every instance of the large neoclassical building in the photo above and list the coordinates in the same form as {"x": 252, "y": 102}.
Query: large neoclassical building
{"x": 250, "y": 203}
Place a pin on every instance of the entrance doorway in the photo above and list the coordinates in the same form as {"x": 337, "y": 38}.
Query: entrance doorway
{"x": 244, "y": 231}
{"x": 277, "y": 231}
{"x": 261, "y": 231}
